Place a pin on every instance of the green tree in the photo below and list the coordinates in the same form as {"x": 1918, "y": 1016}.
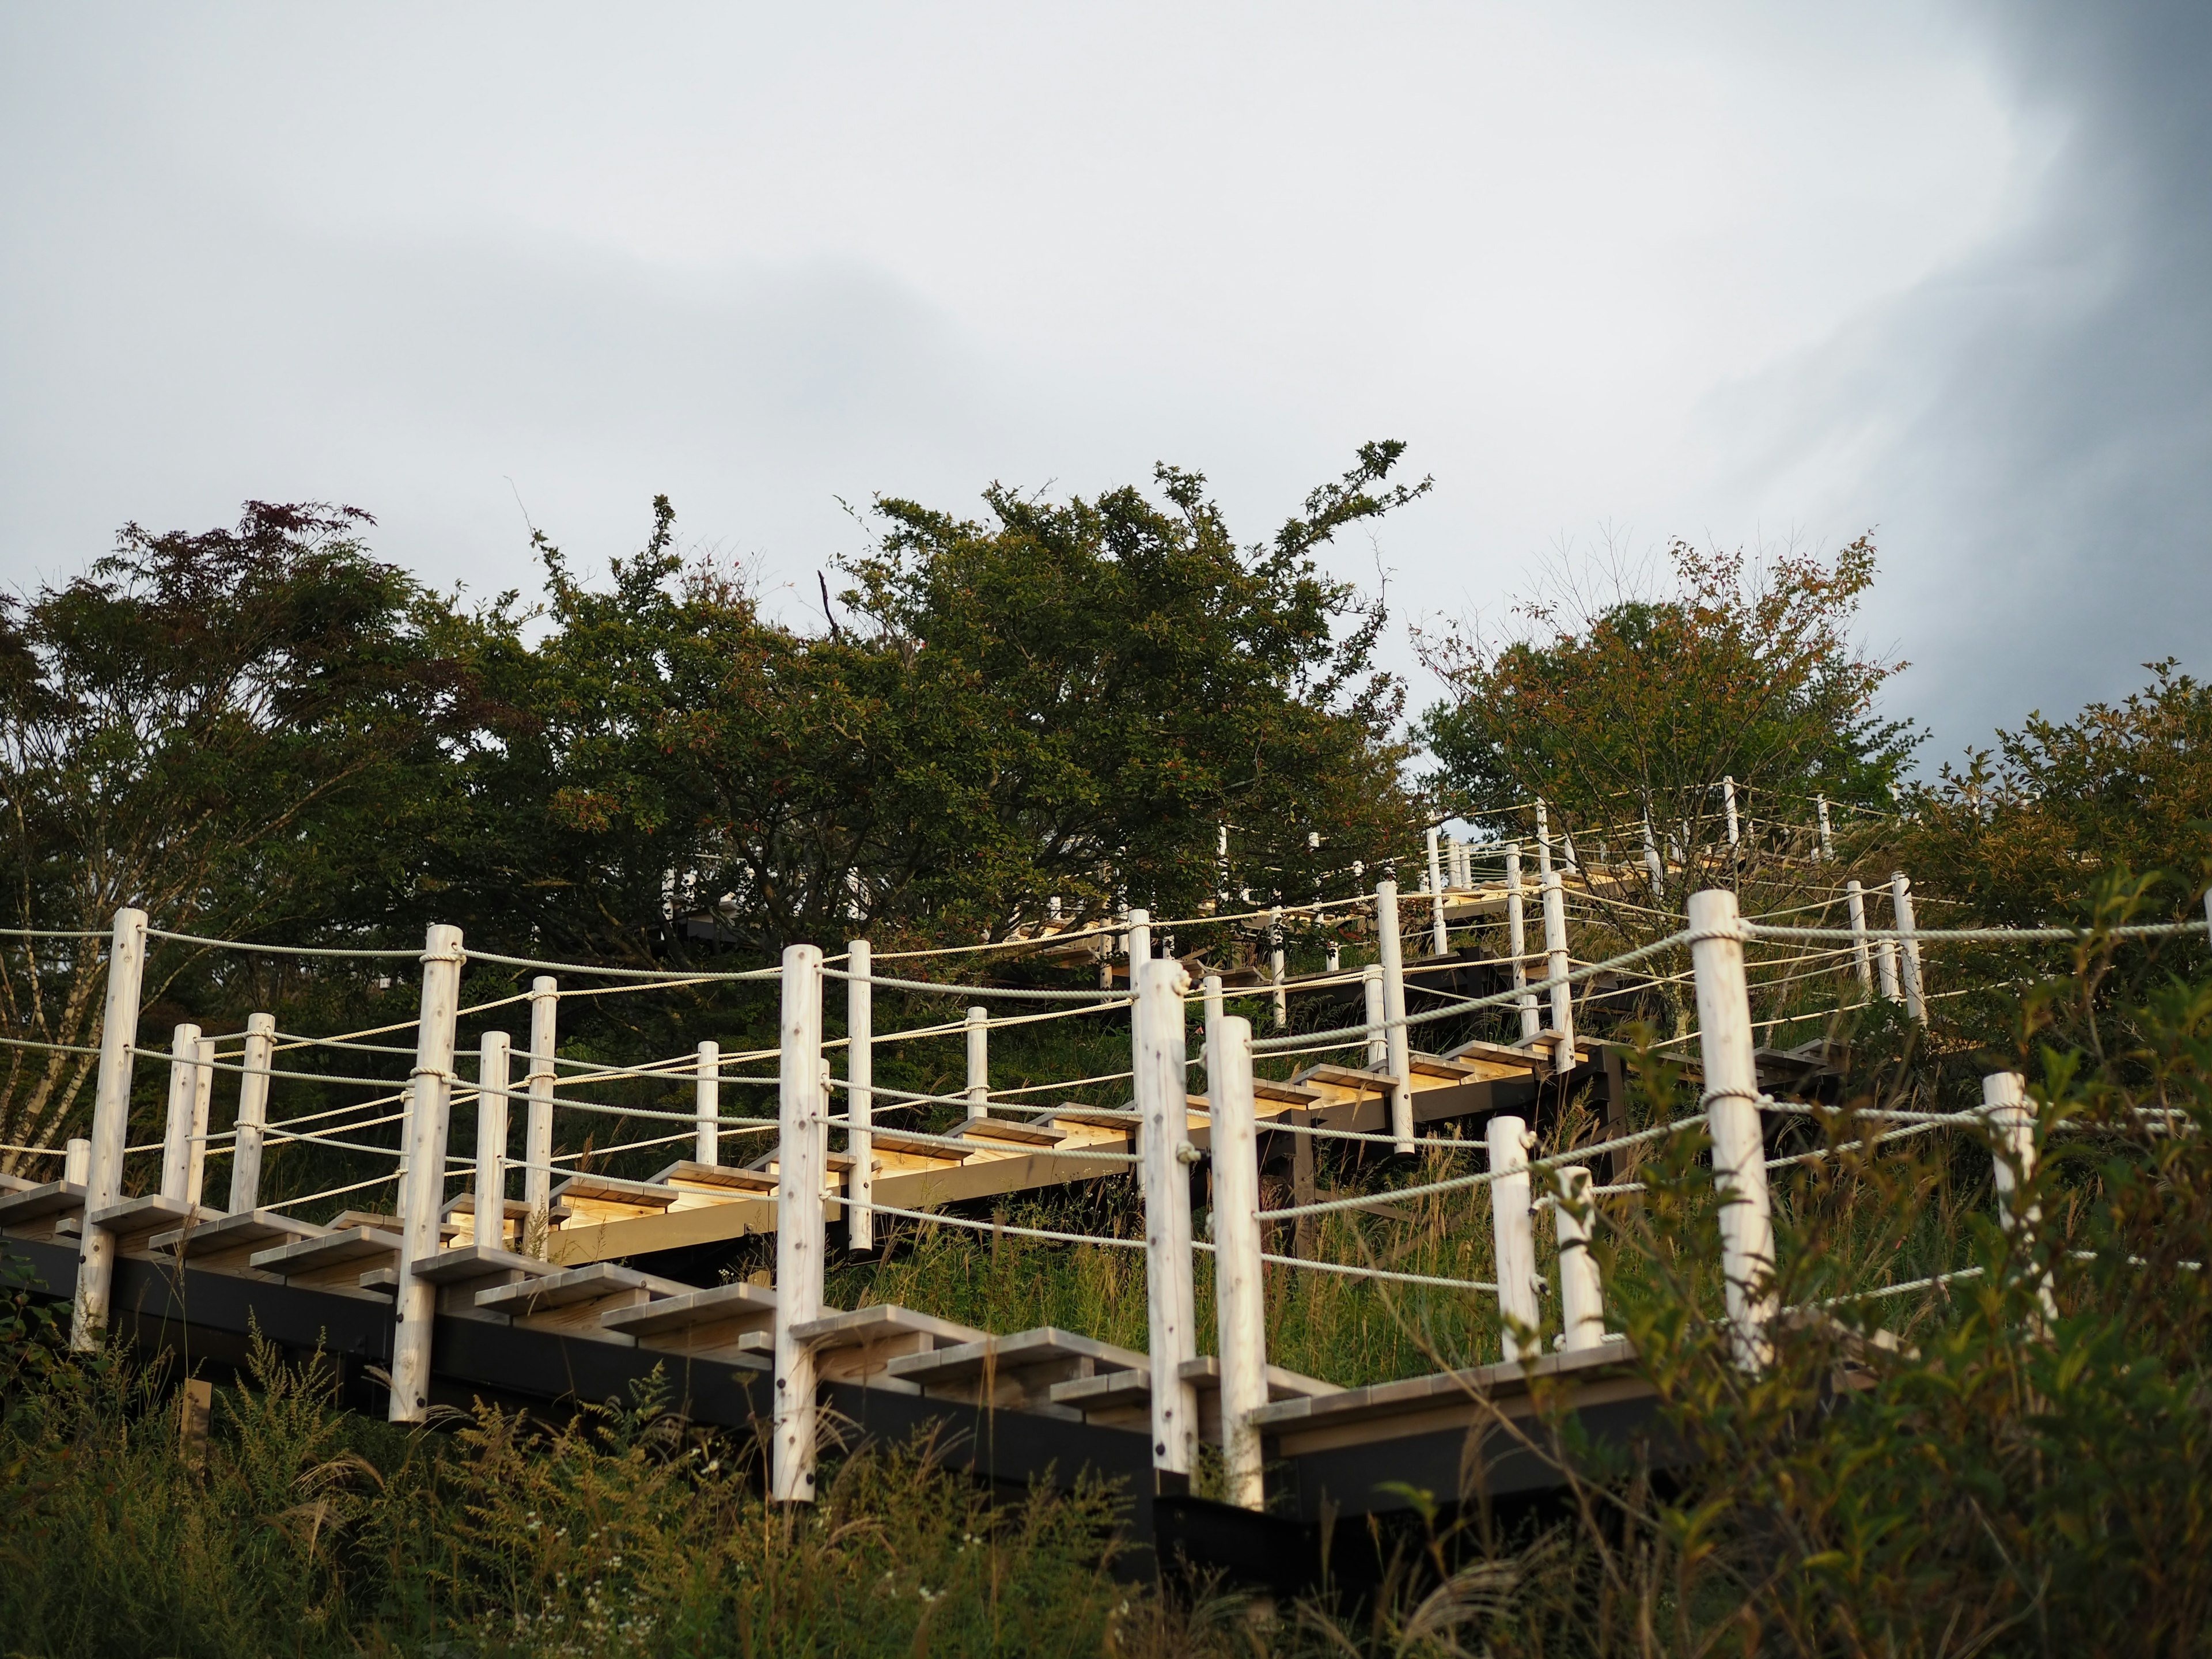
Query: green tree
{"x": 1067, "y": 701}
{"x": 2024, "y": 833}
{"x": 1626, "y": 703}
{"x": 233, "y": 729}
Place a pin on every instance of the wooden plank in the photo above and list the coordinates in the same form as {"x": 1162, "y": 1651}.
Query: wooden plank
{"x": 227, "y": 1246}
{"x": 1008, "y": 1129}
{"x": 134, "y": 1221}
{"x": 715, "y": 1177}
{"x": 38, "y": 1212}
{"x": 914, "y": 1189}
{"x": 1471, "y": 1398}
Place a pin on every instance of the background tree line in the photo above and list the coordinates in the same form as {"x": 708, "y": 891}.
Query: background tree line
{"x": 265, "y": 733}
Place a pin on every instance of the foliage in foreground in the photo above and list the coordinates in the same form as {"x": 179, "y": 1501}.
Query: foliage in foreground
{"x": 1952, "y": 1471}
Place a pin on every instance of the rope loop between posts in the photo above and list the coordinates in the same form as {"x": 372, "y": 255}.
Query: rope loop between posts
{"x": 1019, "y": 992}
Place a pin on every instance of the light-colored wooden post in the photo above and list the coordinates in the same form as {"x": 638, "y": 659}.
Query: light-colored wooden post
{"x": 1239, "y": 1293}
{"x": 1652, "y": 866}
{"x": 76, "y": 1162}
{"x": 1513, "y": 1236}
{"x": 1516, "y": 944}
{"x": 1582, "y": 1292}
{"x": 979, "y": 1062}
{"x": 1221, "y": 863}
{"x": 537, "y": 1124}
{"x": 1727, "y": 805}
{"x": 1371, "y": 991}
{"x": 110, "y": 1126}
{"x": 1861, "y": 955}
{"x": 1137, "y": 941}
{"x": 801, "y": 1164}
{"x": 1278, "y": 999}
{"x": 1210, "y": 986}
{"x": 1731, "y": 1103}
{"x": 1437, "y": 934}
{"x": 861, "y": 1095}
{"x": 1397, "y": 1040}
{"x": 203, "y": 1102}
{"x": 177, "y": 1126}
{"x": 1162, "y": 1086}
{"x": 406, "y": 1137}
{"x": 2012, "y": 1128}
{"x": 706, "y": 1105}
{"x": 252, "y": 1113}
{"x": 1828, "y": 831}
{"x": 414, "y": 1301}
{"x": 493, "y": 1052}
{"x": 1908, "y": 942}
{"x": 1556, "y": 967}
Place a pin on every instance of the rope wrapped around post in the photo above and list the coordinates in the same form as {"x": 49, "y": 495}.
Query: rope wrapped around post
{"x": 801, "y": 1163}
{"x": 1239, "y": 1289}
{"x": 1731, "y": 1106}
{"x": 1160, "y": 1068}
{"x": 414, "y": 1301}
{"x": 252, "y": 1114}
{"x": 1513, "y": 1236}
{"x": 110, "y": 1126}
{"x": 1397, "y": 1045}
{"x": 494, "y": 1051}
{"x": 860, "y": 1096}
{"x": 537, "y": 1126}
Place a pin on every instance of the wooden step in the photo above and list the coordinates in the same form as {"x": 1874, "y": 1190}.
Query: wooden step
{"x": 1091, "y": 1117}
{"x": 593, "y": 1198}
{"x": 36, "y": 1213}
{"x": 855, "y": 1346}
{"x": 1015, "y": 1371}
{"x": 1010, "y": 1131}
{"x": 892, "y": 1142}
{"x": 574, "y": 1300}
{"x": 462, "y": 1273}
{"x": 1508, "y": 1061}
{"x": 732, "y": 1323}
{"x": 334, "y": 1262}
{"x": 227, "y": 1246}
{"x": 1123, "y": 1399}
{"x": 1337, "y": 1083}
{"x": 718, "y": 1180}
{"x": 133, "y": 1223}
{"x": 1461, "y": 1401}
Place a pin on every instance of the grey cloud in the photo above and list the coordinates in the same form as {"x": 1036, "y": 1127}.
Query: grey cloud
{"x": 2035, "y": 426}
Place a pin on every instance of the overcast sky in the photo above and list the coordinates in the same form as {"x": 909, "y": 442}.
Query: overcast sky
{"x": 1742, "y": 274}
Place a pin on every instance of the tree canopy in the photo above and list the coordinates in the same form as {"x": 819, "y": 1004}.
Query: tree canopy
{"x": 1642, "y": 700}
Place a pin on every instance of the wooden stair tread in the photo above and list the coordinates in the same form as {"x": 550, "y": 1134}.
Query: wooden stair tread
{"x": 1009, "y": 1130}
{"x": 737, "y": 1183}
{"x": 34, "y": 1203}
{"x": 859, "y": 1325}
{"x": 1048, "y": 1345}
{"x": 333, "y": 1249}
{"x": 570, "y": 1285}
{"x": 713, "y": 1305}
{"x": 235, "y": 1232}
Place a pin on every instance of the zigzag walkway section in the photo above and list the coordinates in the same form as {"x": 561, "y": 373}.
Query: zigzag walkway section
{"x": 1040, "y": 1406}
{"x": 1014, "y": 1408}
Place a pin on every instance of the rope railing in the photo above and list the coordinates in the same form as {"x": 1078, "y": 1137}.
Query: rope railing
{"x": 1741, "y": 956}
